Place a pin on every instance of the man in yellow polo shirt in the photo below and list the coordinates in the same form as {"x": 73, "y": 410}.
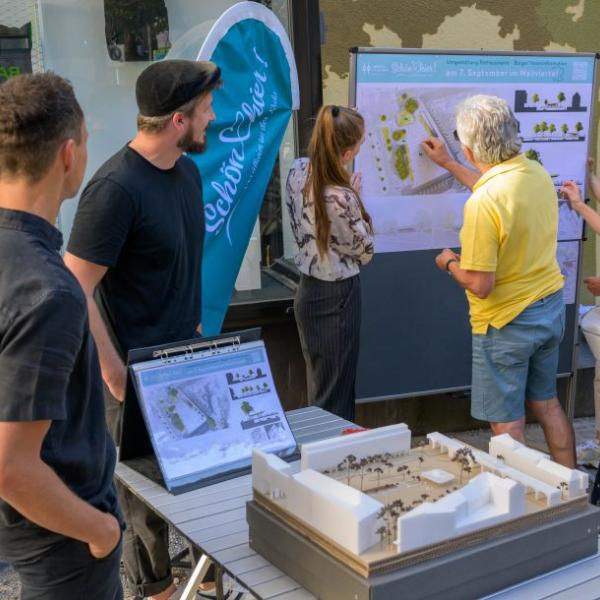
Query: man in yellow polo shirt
{"x": 509, "y": 270}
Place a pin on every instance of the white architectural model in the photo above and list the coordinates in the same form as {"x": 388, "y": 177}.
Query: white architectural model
{"x": 539, "y": 465}
{"x": 486, "y": 500}
{"x": 387, "y": 475}
{"x": 394, "y": 439}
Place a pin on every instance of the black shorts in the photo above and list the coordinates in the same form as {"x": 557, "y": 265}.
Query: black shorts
{"x": 67, "y": 570}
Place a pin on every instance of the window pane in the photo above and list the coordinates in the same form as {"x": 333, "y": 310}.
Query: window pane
{"x": 102, "y": 46}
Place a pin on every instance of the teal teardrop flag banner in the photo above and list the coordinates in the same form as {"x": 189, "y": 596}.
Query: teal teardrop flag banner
{"x": 252, "y": 110}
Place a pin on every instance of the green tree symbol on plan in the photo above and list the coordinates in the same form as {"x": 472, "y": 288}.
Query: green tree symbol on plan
{"x": 246, "y": 408}
{"x": 561, "y": 97}
{"x": 564, "y": 128}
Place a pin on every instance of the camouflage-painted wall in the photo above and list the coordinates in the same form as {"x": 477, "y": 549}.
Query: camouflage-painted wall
{"x": 552, "y": 25}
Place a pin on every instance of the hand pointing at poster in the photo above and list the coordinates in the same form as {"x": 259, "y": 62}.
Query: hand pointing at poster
{"x": 570, "y": 191}
{"x": 436, "y": 150}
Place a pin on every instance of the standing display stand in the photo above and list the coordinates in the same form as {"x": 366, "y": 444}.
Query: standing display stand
{"x": 197, "y": 408}
{"x": 416, "y": 337}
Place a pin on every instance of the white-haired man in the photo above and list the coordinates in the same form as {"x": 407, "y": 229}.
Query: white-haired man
{"x": 508, "y": 268}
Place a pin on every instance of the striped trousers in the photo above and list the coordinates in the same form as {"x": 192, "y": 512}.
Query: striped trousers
{"x": 328, "y": 316}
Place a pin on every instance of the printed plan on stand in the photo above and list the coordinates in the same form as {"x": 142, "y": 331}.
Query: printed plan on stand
{"x": 406, "y": 98}
{"x": 205, "y": 412}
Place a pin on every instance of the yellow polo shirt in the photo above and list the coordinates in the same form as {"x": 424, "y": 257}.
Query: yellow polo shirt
{"x": 510, "y": 227}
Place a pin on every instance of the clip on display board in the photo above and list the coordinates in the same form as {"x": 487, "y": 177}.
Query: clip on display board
{"x": 201, "y": 406}
{"x": 416, "y": 338}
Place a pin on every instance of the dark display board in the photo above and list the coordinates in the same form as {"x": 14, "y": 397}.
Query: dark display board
{"x": 416, "y": 337}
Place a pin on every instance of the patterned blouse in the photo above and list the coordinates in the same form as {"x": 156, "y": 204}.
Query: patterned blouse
{"x": 350, "y": 239}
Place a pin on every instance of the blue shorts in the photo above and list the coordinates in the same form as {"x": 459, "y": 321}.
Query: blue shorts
{"x": 517, "y": 362}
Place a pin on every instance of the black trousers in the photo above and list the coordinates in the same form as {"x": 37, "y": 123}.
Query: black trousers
{"x": 328, "y": 316}
{"x": 65, "y": 570}
{"x": 146, "y": 540}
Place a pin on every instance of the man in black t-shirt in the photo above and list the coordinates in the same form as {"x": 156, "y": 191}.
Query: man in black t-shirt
{"x": 137, "y": 240}
{"x": 60, "y": 525}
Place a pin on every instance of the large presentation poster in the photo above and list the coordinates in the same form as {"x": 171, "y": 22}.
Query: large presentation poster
{"x": 406, "y": 98}
{"x": 415, "y": 333}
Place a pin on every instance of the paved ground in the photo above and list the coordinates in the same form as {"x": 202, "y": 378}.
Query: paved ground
{"x": 584, "y": 429}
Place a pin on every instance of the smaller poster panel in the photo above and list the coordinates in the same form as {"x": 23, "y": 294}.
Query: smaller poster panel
{"x": 206, "y": 412}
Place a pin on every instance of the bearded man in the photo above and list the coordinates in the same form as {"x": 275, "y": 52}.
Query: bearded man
{"x": 136, "y": 245}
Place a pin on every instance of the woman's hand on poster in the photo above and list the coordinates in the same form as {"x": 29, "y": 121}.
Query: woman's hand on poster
{"x": 593, "y": 285}
{"x": 436, "y": 151}
{"x": 570, "y": 192}
{"x": 356, "y": 182}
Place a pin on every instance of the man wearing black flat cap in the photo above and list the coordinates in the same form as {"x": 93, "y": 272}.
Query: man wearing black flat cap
{"x": 137, "y": 243}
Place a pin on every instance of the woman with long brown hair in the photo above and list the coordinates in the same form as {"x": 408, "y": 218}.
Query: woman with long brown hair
{"x": 334, "y": 236}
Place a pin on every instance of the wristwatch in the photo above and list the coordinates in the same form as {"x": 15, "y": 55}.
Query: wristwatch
{"x": 450, "y": 261}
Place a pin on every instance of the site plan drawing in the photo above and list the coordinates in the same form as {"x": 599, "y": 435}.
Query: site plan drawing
{"x": 405, "y": 98}
{"x": 206, "y": 412}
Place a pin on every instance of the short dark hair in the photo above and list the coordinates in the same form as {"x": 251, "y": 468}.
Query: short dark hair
{"x": 37, "y": 114}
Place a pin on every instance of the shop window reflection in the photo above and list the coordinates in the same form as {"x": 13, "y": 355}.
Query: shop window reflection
{"x": 136, "y": 30}
{"x": 15, "y": 51}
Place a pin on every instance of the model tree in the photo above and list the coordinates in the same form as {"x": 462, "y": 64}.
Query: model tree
{"x": 390, "y": 513}
{"x": 402, "y": 470}
{"x": 578, "y": 127}
{"x": 347, "y": 465}
{"x": 564, "y": 128}
{"x": 561, "y": 97}
{"x": 379, "y": 472}
{"x": 535, "y": 98}
{"x": 563, "y": 486}
{"x": 465, "y": 458}
{"x": 363, "y": 465}
{"x": 551, "y": 128}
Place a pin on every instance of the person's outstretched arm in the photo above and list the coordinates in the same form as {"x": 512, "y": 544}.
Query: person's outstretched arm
{"x": 570, "y": 191}
{"x": 436, "y": 151}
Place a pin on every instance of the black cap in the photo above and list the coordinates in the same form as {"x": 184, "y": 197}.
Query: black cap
{"x": 164, "y": 86}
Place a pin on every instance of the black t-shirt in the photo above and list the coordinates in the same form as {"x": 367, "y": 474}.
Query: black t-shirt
{"x": 49, "y": 371}
{"x": 147, "y": 226}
